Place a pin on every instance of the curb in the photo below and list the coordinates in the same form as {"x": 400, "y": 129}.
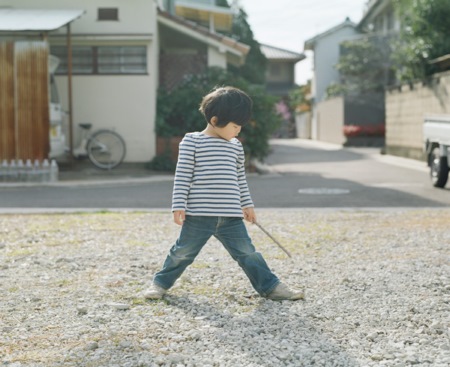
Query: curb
{"x": 102, "y": 182}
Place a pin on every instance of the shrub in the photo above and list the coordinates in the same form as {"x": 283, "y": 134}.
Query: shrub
{"x": 177, "y": 110}
{"x": 364, "y": 130}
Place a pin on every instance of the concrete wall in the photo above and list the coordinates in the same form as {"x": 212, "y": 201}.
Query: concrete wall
{"x": 330, "y": 120}
{"x": 405, "y": 110}
{"x": 303, "y": 125}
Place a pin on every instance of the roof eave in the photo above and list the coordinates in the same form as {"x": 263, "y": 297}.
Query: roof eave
{"x": 195, "y": 31}
{"x": 310, "y": 43}
{"x": 15, "y": 25}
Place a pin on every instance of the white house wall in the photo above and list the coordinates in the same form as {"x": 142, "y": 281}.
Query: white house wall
{"x": 326, "y": 56}
{"x": 125, "y": 103}
{"x": 101, "y": 100}
{"x": 135, "y": 16}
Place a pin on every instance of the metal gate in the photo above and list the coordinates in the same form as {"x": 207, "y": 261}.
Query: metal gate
{"x": 24, "y": 100}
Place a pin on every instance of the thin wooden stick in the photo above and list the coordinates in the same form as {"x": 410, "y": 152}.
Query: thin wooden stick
{"x": 273, "y": 239}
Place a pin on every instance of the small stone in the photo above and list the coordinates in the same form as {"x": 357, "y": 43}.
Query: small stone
{"x": 412, "y": 360}
{"x": 377, "y": 357}
{"x": 125, "y": 344}
{"x": 120, "y": 306}
{"x": 92, "y": 346}
{"x": 82, "y": 310}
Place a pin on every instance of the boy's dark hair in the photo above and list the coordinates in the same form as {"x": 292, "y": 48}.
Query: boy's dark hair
{"x": 228, "y": 104}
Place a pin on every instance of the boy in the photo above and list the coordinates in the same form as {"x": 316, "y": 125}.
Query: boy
{"x": 211, "y": 197}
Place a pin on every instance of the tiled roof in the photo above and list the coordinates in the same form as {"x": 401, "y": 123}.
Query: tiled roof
{"x": 276, "y": 53}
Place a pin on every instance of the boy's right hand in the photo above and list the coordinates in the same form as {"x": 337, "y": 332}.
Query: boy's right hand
{"x": 179, "y": 216}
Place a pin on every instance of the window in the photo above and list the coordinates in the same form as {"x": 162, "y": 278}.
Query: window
{"x": 104, "y": 60}
{"x": 122, "y": 60}
{"x": 275, "y": 69}
{"x": 108, "y": 14}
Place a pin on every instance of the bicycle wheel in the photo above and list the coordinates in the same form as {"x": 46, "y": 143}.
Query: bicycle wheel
{"x": 106, "y": 149}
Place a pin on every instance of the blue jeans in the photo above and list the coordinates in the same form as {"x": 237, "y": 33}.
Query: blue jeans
{"x": 231, "y": 231}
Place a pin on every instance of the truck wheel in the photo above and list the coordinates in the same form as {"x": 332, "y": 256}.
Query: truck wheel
{"x": 438, "y": 169}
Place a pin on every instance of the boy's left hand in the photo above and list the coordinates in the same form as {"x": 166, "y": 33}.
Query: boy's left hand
{"x": 249, "y": 215}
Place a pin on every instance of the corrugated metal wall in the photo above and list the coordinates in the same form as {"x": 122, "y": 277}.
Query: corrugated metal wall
{"x": 24, "y": 100}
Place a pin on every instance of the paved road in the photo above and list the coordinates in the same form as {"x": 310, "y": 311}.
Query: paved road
{"x": 311, "y": 174}
{"x": 301, "y": 174}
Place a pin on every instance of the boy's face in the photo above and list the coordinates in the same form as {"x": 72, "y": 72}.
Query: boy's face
{"x": 229, "y": 131}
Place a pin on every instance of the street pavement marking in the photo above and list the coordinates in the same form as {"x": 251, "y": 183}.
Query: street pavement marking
{"x": 323, "y": 191}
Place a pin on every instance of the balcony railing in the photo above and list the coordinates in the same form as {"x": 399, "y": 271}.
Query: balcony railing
{"x": 200, "y": 2}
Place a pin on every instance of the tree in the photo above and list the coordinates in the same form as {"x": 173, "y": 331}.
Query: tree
{"x": 424, "y": 36}
{"x": 363, "y": 67}
{"x": 177, "y": 111}
{"x": 254, "y": 68}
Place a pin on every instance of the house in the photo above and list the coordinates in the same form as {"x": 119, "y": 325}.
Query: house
{"x": 326, "y": 55}
{"x": 280, "y": 74}
{"x": 121, "y": 53}
{"x": 189, "y": 48}
{"x": 28, "y": 107}
{"x": 338, "y": 119}
{"x": 115, "y": 68}
{"x": 280, "y": 81}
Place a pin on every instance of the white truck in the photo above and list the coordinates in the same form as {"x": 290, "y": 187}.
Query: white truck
{"x": 436, "y": 135}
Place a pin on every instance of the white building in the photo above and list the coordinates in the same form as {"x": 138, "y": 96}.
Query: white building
{"x": 326, "y": 47}
{"x": 116, "y": 47}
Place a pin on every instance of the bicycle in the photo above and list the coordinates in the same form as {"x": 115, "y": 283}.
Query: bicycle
{"x": 105, "y": 148}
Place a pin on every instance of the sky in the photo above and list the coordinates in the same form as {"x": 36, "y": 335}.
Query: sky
{"x": 289, "y": 23}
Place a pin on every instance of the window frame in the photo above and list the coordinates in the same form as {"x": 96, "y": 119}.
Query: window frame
{"x": 94, "y": 63}
{"x": 107, "y": 14}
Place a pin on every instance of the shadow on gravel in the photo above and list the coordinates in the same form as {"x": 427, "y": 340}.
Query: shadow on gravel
{"x": 270, "y": 334}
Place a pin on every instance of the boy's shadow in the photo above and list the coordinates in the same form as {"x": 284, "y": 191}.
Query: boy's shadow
{"x": 270, "y": 334}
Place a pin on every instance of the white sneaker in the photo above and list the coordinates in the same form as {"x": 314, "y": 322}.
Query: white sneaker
{"x": 155, "y": 292}
{"x": 282, "y": 292}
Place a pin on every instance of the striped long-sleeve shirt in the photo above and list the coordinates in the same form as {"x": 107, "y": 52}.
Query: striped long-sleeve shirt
{"x": 210, "y": 177}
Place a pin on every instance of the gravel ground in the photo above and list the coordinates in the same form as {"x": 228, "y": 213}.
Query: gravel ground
{"x": 377, "y": 287}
